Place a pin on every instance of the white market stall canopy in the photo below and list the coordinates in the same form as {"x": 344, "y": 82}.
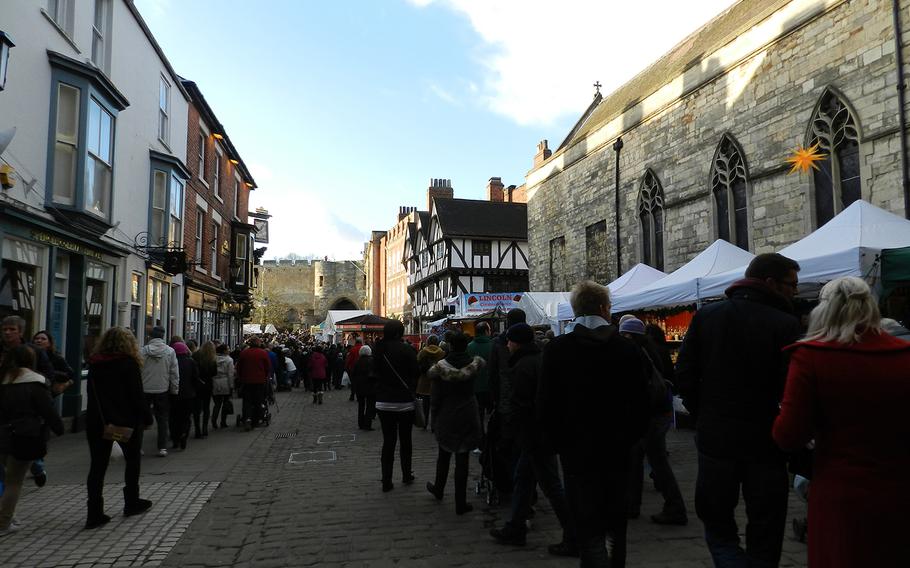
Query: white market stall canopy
{"x": 635, "y": 278}
{"x": 682, "y": 286}
{"x": 542, "y": 308}
{"x": 251, "y": 328}
{"x": 847, "y": 245}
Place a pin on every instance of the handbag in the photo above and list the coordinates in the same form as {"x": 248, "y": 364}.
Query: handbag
{"x": 420, "y": 420}
{"x": 112, "y": 432}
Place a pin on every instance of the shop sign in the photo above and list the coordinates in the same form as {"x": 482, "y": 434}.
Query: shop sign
{"x": 483, "y": 303}
{"x": 66, "y": 245}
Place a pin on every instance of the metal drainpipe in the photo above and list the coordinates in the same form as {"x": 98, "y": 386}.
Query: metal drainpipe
{"x": 617, "y": 147}
{"x": 901, "y": 119}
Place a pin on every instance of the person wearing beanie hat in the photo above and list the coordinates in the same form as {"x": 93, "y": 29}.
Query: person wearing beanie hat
{"x": 501, "y": 394}
{"x": 536, "y": 463}
{"x": 632, "y": 325}
{"x": 362, "y": 387}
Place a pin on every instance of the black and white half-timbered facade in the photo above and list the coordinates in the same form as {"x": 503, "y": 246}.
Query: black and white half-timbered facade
{"x": 465, "y": 246}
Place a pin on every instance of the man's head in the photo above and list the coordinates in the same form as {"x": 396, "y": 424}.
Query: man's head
{"x": 158, "y": 332}
{"x": 432, "y": 340}
{"x": 255, "y": 342}
{"x": 588, "y": 298}
{"x": 393, "y": 331}
{"x": 518, "y": 336}
{"x": 777, "y": 271}
{"x": 632, "y": 326}
{"x": 483, "y": 328}
{"x": 516, "y": 315}
{"x": 459, "y": 342}
{"x": 12, "y": 328}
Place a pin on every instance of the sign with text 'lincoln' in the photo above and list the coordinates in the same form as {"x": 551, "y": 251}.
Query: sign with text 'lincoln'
{"x": 477, "y": 304}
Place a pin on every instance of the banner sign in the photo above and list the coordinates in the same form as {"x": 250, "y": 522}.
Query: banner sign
{"x": 477, "y": 304}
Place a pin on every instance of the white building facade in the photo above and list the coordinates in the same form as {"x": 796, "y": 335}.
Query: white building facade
{"x": 98, "y": 160}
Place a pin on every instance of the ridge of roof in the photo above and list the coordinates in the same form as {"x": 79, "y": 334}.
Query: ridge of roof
{"x": 707, "y": 39}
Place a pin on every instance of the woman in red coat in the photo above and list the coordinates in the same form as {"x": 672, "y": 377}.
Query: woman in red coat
{"x": 849, "y": 388}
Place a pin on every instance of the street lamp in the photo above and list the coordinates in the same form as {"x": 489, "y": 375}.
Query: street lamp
{"x": 6, "y": 43}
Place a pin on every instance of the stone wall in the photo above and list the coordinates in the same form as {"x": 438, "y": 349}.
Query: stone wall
{"x": 311, "y": 288}
{"x": 762, "y": 89}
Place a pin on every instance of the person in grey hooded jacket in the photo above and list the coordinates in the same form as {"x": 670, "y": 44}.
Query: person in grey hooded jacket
{"x": 160, "y": 376}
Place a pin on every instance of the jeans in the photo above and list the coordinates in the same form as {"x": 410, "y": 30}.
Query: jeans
{"x": 15, "y": 471}
{"x": 538, "y": 467}
{"x": 366, "y": 410}
{"x": 201, "y": 408}
{"x": 253, "y": 399}
{"x": 100, "y": 452}
{"x": 220, "y": 407}
{"x": 462, "y": 461}
{"x": 654, "y": 446}
{"x": 396, "y": 426}
{"x": 765, "y": 488}
{"x": 160, "y": 405}
{"x": 597, "y": 503}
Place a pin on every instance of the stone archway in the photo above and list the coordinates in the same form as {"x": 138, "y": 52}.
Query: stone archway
{"x": 343, "y": 304}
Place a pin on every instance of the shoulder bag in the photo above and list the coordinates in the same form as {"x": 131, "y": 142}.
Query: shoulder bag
{"x": 420, "y": 420}
{"x": 121, "y": 434}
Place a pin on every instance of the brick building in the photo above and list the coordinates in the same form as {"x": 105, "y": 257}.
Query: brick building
{"x": 217, "y": 235}
{"x": 705, "y": 131}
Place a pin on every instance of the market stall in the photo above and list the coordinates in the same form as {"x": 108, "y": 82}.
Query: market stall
{"x": 542, "y": 308}
{"x": 369, "y": 326}
{"x": 329, "y": 333}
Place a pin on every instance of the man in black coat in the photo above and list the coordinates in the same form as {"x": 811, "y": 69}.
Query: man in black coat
{"x": 594, "y": 405}
{"x": 537, "y": 463}
{"x": 731, "y": 373}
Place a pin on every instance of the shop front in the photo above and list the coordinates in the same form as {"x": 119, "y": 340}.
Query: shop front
{"x": 212, "y": 315}
{"x": 60, "y": 282}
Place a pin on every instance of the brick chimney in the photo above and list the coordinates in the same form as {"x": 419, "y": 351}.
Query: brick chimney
{"x": 439, "y": 189}
{"x": 543, "y": 152}
{"x": 495, "y": 190}
{"x": 405, "y": 211}
{"x": 517, "y": 194}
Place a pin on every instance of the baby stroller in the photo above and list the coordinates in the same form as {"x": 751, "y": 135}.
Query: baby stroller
{"x": 265, "y": 414}
{"x": 486, "y": 484}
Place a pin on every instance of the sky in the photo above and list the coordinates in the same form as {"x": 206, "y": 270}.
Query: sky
{"x": 344, "y": 110}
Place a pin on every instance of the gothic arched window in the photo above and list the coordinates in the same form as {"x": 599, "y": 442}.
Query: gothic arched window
{"x": 837, "y": 183}
{"x": 651, "y": 214}
{"x": 728, "y": 184}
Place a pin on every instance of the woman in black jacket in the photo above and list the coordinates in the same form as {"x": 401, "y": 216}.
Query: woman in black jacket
{"x": 456, "y": 419}
{"x": 362, "y": 387}
{"x": 207, "y": 364}
{"x": 25, "y": 410}
{"x": 115, "y": 397}
{"x": 182, "y": 403}
{"x": 396, "y": 368}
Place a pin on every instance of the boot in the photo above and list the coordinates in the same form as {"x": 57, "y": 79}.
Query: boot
{"x": 315, "y": 396}
{"x": 461, "y": 486}
{"x": 96, "y": 517}
{"x": 215, "y": 423}
{"x": 320, "y": 397}
{"x": 132, "y": 504}
{"x": 205, "y": 430}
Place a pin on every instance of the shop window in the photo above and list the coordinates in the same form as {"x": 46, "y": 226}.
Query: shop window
{"x": 191, "y": 327}
{"x": 651, "y": 215}
{"x": 208, "y": 326}
{"x": 156, "y": 312}
{"x": 135, "y": 304}
{"x": 19, "y": 292}
{"x": 837, "y": 182}
{"x": 96, "y": 289}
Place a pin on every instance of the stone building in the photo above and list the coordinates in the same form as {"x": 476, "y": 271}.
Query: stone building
{"x": 299, "y": 293}
{"x": 703, "y": 137}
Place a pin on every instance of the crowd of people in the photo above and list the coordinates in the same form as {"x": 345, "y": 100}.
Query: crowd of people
{"x": 574, "y": 415}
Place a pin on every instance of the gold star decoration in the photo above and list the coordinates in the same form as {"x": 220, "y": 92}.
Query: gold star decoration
{"x": 804, "y": 158}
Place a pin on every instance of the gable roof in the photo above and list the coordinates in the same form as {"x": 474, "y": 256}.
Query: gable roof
{"x": 712, "y": 36}
{"x": 478, "y": 218}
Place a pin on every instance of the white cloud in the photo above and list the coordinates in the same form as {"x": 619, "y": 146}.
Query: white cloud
{"x": 541, "y": 58}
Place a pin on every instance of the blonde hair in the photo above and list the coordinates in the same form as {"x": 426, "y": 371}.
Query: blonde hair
{"x": 205, "y": 355}
{"x": 588, "y": 297}
{"x": 846, "y": 311}
{"x": 119, "y": 340}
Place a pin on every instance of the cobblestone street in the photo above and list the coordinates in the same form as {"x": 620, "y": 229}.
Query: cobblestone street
{"x": 260, "y": 499}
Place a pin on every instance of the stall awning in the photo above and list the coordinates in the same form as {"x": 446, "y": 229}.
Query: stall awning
{"x": 365, "y": 322}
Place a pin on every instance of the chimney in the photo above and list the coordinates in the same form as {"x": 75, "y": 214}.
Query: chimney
{"x": 405, "y": 211}
{"x": 543, "y": 152}
{"x": 495, "y": 190}
{"x": 439, "y": 189}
